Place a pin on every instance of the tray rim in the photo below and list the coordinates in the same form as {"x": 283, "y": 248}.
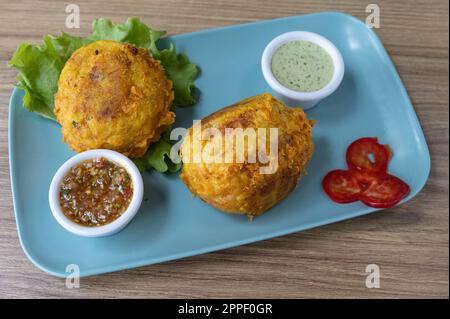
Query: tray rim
{"x": 149, "y": 261}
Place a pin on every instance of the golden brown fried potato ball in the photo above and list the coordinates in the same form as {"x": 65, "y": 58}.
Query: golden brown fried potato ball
{"x": 241, "y": 187}
{"x": 114, "y": 96}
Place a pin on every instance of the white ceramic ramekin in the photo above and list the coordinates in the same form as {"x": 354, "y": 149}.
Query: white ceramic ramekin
{"x": 305, "y": 100}
{"x": 119, "y": 223}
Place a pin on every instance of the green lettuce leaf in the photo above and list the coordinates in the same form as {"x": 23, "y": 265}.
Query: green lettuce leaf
{"x": 158, "y": 158}
{"x": 39, "y": 67}
{"x": 182, "y": 73}
{"x": 133, "y": 31}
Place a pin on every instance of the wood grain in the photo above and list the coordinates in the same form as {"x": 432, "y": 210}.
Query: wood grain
{"x": 409, "y": 243}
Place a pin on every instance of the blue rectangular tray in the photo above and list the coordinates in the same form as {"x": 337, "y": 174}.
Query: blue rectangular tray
{"x": 171, "y": 224}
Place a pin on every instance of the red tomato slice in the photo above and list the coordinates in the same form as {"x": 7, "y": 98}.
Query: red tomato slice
{"x": 384, "y": 191}
{"x": 341, "y": 186}
{"x": 365, "y": 179}
{"x": 366, "y": 154}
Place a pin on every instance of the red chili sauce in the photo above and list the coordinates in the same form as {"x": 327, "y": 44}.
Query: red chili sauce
{"x": 95, "y": 192}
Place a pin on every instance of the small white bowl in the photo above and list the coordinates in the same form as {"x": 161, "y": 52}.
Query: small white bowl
{"x": 304, "y": 99}
{"x": 116, "y": 225}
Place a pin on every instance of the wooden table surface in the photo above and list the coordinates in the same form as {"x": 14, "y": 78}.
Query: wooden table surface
{"x": 409, "y": 243}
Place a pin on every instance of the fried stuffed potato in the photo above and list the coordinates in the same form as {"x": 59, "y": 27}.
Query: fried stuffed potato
{"x": 114, "y": 96}
{"x": 241, "y": 187}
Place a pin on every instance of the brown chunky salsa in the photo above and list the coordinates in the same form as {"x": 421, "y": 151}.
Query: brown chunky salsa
{"x": 95, "y": 192}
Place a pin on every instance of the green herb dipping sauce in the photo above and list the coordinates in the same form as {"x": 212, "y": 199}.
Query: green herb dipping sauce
{"x": 302, "y": 66}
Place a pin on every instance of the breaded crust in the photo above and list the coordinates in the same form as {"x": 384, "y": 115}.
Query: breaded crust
{"x": 114, "y": 96}
{"x": 240, "y": 187}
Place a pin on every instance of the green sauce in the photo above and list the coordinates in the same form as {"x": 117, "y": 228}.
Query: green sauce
{"x": 302, "y": 66}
